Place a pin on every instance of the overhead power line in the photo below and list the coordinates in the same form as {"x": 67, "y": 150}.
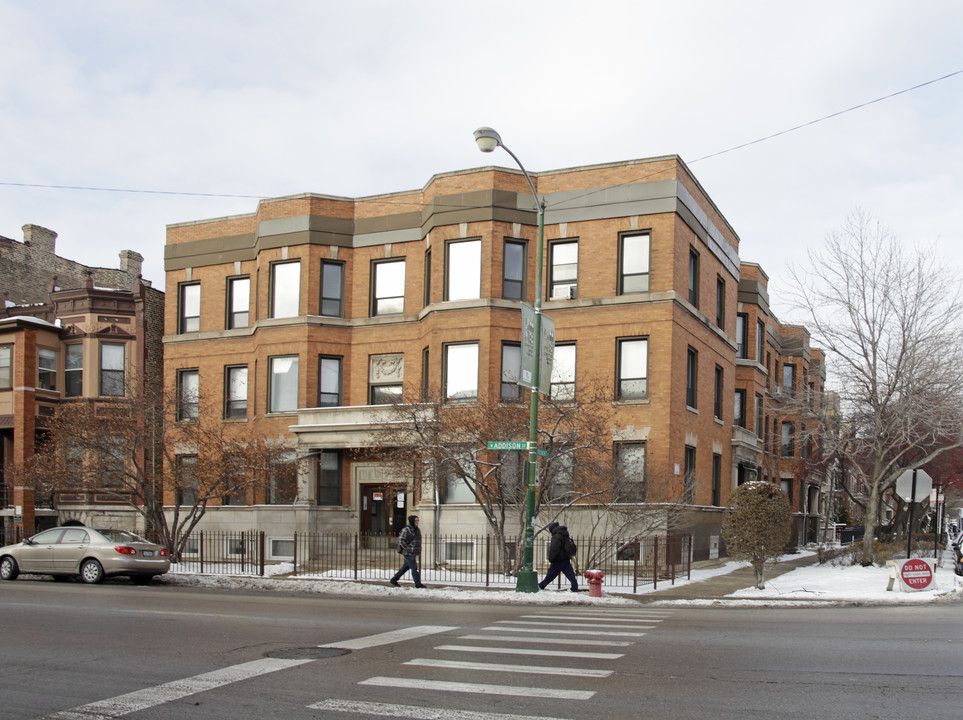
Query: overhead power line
{"x": 704, "y": 157}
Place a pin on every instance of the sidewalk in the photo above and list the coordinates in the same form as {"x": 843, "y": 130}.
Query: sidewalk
{"x": 721, "y": 585}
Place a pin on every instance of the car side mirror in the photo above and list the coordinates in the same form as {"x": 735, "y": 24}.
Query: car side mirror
{"x": 27, "y": 541}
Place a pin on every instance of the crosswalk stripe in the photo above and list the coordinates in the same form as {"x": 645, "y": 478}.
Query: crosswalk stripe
{"x": 571, "y": 624}
{"x": 412, "y": 712}
{"x": 159, "y": 694}
{"x": 530, "y": 692}
{"x": 594, "y": 618}
{"x": 525, "y": 651}
{"x": 386, "y": 638}
{"x": 548, "y": 641}
{"x": 559, "y": 631}
{"x": 491, "y": 667}
{"x": 568, "y": 624}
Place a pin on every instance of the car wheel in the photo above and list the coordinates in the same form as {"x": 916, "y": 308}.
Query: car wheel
{"x": 141, "y": 579}
{"x": 91, "y": 571}
{"x": 8, "y": 568}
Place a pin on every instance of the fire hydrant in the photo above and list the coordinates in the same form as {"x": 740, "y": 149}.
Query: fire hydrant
{"x": 594, "y": 578}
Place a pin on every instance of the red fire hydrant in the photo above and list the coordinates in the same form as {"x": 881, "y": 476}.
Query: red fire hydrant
{"x": 594, "y": 578}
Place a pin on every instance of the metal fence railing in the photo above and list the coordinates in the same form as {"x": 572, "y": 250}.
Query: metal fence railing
{"x": 472, "y": 560}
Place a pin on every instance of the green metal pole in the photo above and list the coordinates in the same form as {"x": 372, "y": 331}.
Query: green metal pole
{"x": 527, "y": 579}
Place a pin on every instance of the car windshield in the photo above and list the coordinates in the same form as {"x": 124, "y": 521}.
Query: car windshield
{"x": 121, "y": 536}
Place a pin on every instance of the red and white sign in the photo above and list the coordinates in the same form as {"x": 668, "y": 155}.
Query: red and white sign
{"x": 915, "y": 574}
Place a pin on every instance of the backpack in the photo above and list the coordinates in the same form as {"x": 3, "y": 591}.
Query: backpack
{"x": 570, "y": 548}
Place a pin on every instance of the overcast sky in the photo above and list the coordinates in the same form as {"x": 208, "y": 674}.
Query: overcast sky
{"x": 266, "y": 99}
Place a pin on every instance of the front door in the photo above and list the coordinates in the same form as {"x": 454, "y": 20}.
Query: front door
{"x": 383, "y": 509}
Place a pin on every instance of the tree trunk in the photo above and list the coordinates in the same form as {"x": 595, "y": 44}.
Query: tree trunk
{"x": 760, "y": 568}
{"x": 870, "y": 519}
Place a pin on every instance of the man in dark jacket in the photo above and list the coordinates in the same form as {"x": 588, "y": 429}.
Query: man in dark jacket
{"x": 409, "y": 546}
{"x": 561, "y": 550}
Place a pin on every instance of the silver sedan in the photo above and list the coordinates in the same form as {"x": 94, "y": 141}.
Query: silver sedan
{"x": 91, "y": 554}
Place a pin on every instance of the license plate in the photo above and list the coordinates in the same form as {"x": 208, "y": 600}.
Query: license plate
{"x": 148, "y": 553}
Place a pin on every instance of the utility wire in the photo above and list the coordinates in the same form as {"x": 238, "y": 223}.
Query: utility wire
{"x": 704, "y": 157}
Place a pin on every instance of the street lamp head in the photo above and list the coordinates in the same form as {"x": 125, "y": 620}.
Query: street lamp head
{"x": 487, "y": 139}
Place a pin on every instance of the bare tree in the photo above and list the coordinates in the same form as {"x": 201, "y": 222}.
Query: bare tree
{"x": 165, "y": 461}
{"x": 443, "y": 447}
{"x": 889, "y": 317}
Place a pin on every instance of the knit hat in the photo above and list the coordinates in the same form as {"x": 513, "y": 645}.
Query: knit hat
{"x": 552, "y": 526}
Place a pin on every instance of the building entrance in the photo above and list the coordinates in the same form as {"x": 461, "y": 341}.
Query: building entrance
{"x": 383, "y": 509}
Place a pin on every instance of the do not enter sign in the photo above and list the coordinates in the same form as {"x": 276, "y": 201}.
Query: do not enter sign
{"x": 916, "y": 574}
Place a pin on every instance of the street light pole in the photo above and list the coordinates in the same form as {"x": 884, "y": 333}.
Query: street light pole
{"x": 527, "y": 580}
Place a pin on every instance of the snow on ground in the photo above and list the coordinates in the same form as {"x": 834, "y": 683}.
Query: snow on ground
{"x": 819, "y": 584}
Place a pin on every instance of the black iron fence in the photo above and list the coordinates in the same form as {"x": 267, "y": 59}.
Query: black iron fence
{"x": 445, "y": 559}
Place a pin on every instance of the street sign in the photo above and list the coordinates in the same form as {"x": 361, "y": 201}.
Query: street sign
{"x": 542, "y": 452}
{"x": 904, "y": 485}
{"x": 508, "y": 445}
{"x": 915, "y": 574}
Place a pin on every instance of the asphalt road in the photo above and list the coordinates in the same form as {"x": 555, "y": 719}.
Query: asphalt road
{"x": 78, "y": 652}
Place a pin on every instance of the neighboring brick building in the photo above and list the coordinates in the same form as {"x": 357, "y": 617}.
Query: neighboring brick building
{"x": 64, "y": 327}
{"x": 306, "y": 315}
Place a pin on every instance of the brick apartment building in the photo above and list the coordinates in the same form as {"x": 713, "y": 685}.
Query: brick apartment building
{"x": 67, "y": 331}
{"x": 306, "y": 317}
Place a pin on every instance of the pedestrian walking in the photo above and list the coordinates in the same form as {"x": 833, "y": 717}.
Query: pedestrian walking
{"x": 561, "y": 550}
{"x": 409, "y": 546}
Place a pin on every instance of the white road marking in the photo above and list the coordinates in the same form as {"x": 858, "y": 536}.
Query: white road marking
{"x": 558, "y": 631}
{"x": 160, "y": 694}
{"x": 529, "y": 692}
{"x": 411, "y": 712}
{"x": 392, "y": 636}
{"x": 533, "y": 669}
{"x": 593, "y": 618}
{"x": 571, "y": 624}
{"x": 546, "y": 641}
{"x": 524, "y": 651}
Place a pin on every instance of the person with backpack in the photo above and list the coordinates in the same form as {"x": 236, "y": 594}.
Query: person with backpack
{"x": 561, "y": 550}
{"x": 409, "y": 546}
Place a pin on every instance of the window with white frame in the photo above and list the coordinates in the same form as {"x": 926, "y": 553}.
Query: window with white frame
{"x": 563, "y": 373}
{"x": 463, "y": 270}
{"x": 285, "y": 289}
{"x": 563, "y": 270}
{"x": 283, "y": 384}
{"x": 280, "y": 548}
{"x": 461, "y": 372}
